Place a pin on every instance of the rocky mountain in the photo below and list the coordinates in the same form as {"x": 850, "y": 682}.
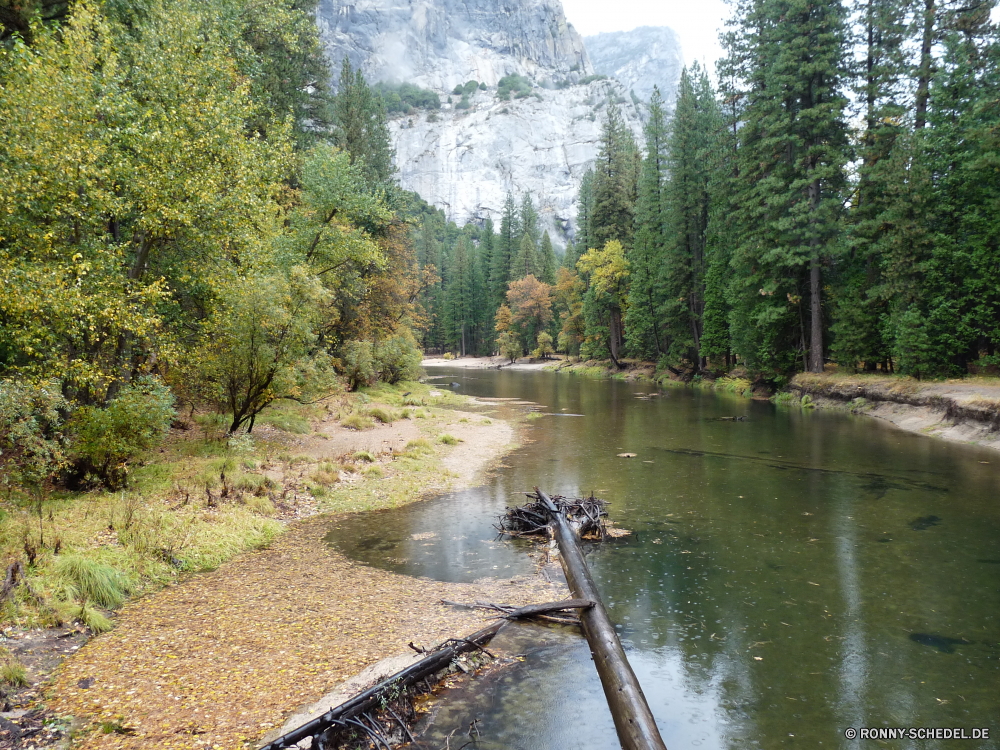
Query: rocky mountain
{"x": 464, "y": 158}
{"x": 640, "y": 59}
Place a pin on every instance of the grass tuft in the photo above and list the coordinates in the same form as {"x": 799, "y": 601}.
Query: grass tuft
{"x": 13, "y": 673}
{"x": 447, "y": 439}
{"x": 358, "y": 422}
{"x": 94, "y": 619}
{"x": 385, "y": 416}
{"x": 366, "y": 456}
{"x": 95, "y": 581}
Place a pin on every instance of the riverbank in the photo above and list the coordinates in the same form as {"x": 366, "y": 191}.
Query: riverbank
{"x": 962, "y": 411}
{"x": 285, "y": 623}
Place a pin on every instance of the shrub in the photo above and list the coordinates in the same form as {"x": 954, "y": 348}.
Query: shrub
{"x": 514, "y": 84}
{"x": 448, "y": 356}
{"x": 31, "y": 440}
{"x": 402, "y": 97}
{"x": 105, "y": 440}
{"x": 357, "y": 364}
{"x": 397, "y": 358}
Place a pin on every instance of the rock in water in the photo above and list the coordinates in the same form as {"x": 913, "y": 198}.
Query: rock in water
{"x": 465, "y": 160}
{"x": 924, "y": 522}
{"x": 942, "y": 643}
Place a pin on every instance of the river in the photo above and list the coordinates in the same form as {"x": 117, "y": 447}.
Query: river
{"x": 789, "y": 575}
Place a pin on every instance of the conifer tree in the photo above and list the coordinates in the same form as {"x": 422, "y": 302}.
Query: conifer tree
{"x": 570, "y": 257}
{"x": 547, "y": 262}
{"x": 525, "y": 263}
{"x": 529, "y": 219}
{"x": 646, "y": 257}
{"x": 505, "y": 249}
{"x": 793, "y": 152}
{"x": 686, "y": 215}
{"x": 361, "y": 129}
{"x": 585, "y": 210}
{"x": 615, "y": 182}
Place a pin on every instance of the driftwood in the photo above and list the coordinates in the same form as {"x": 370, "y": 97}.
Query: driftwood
{"x": 351, "y": 713}
{"x": 633, "y": 720}
{"x": 540, "y": 611}
{"x": 585, "y": 515}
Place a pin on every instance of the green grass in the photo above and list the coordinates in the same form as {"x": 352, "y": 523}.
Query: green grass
{"x": 13, "y": 673}
{"x": 447, "y": 439}
{"x": 366, "y": 456}
{"x": 102, "y": 584}
{"x": 385, "y": 416}
{"x": 357, "y": 422}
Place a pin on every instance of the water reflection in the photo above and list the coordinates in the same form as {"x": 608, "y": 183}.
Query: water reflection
{"x": 779, "y": 570}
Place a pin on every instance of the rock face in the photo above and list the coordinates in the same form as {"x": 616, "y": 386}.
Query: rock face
{"x": 440, "y": 43}
{"x": 640, "y": 59}
{"x": 466, "y": 160}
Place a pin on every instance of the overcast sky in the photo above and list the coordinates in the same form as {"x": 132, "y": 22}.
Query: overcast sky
{"x": 696, "y": 23}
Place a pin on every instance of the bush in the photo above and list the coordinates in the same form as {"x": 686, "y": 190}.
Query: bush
{"x": 403, "y": 97}
{"x": 514, "y": 84}
{"x": 105, "y": 440}
{"x": 357, "y": 364}
{"x": 397, "y": 358}
{"x": 31, "y": 440}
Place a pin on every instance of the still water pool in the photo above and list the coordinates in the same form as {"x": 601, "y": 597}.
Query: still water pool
{"x": 789, "y": 576}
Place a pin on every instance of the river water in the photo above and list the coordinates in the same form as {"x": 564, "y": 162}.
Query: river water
{"x": 788, "y": 576}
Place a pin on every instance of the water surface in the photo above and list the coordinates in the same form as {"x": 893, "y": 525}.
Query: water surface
{"x": 789, "y": 576}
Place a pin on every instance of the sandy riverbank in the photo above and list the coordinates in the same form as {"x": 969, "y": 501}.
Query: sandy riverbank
{"x": 221, "y": 658}
{"x": 960, "y": 411}
{"x": 489, "y": 363}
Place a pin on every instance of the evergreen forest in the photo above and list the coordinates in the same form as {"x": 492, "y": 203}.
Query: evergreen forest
{"x": 833, "y": 199}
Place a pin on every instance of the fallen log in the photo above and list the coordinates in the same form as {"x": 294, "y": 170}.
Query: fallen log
{"x": 541, "y": 611}
{"x": 633, "y": 720}
{"x": 345, "y": 715}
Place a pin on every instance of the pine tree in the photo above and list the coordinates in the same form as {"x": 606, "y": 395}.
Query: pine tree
{"x": 647, "y": 255}
{"x": 460, "y": 316}
{"x": 525, "y": 263}
{"x": 506, "y": 247}
{"x": 361, "y": 129}
{"x": 686, "y": 211}
{"x": 585, "y": 210}
{"x": 791, "y": 58}
{"x": 547, "y": 263}
{"x": 615, "y": 184}
{"x": 570, "y": 257}
{"x": 529, "y": 220}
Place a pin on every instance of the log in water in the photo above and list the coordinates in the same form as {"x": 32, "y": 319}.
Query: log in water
{"x": 633, "y": 720}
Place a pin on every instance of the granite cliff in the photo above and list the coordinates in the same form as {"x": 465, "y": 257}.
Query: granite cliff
{"x": 464, "y": 160}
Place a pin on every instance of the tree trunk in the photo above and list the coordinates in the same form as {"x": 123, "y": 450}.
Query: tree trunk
{"x": 924, "y": 72}
{"x": 816, "y": 324}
